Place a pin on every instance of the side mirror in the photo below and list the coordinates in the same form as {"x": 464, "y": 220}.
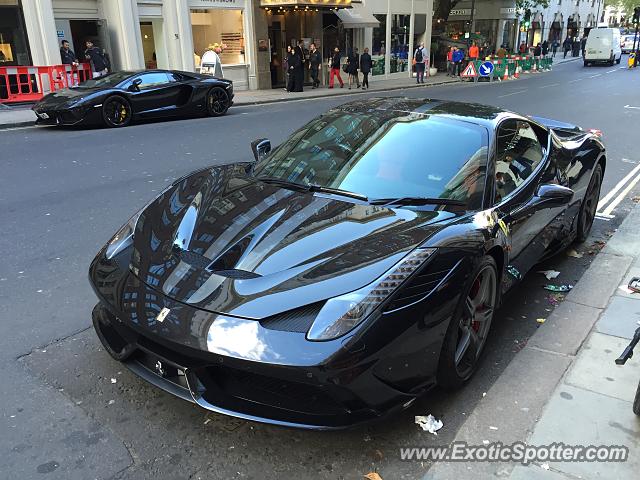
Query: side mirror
{"x": 552, "y": 195}
{"x": 135, "y": 85}
{"x": 261, "y": 148}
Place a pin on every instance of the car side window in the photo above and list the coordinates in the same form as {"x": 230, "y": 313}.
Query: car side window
{"x": 150, "y": 80}
{"x": 518, "y": 153}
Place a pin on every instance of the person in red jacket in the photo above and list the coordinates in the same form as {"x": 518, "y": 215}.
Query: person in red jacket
{"x": 474, "y": 51}
{"x": 449, "y": 61}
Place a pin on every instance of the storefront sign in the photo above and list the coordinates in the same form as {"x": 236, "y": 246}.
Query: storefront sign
{"x": 303, "y": 3}
{"x": 60, "y": 33}
{"x": 216, "y": 3}
{"x": 508, "y": 10}
{"x": 460, "y": 12}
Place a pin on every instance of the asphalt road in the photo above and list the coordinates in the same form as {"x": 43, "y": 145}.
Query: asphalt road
{"x": 64, "y": 192}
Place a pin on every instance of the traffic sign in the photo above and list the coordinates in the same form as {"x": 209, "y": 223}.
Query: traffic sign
{"x": 486, "y": 68}
{"x": 469, "y": 71}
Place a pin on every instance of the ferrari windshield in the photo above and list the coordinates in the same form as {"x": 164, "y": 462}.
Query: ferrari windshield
{"x": 385, "y": 154}
{"x": 108, "y": 81}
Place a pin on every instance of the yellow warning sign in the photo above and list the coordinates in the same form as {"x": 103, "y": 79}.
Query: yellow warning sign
{"x": 469, "y": 71}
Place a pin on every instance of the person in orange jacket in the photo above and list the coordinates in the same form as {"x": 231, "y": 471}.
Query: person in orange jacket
{"x": 474, "y": 51}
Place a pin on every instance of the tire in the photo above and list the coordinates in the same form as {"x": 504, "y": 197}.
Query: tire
{"x": 116, "y": 112}
{"x": 589, "y": 205}
{"x": 217, "y": 102}
{"x": 636, "y": 401}
{"x": 586, "y": 64}
{"x": 619, "y": 59}
{"x": 457, "y": 362}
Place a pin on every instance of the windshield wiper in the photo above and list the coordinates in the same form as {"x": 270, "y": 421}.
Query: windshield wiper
{"x": 417, "y": 201}
{"x": 312, "y": 188}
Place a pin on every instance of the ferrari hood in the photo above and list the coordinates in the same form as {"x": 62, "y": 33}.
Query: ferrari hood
{"x": 224, "y": 242}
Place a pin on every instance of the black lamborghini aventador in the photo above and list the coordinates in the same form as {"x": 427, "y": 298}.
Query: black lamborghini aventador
{"x": 345, "y": 272}
{"x": 119, "y": 98}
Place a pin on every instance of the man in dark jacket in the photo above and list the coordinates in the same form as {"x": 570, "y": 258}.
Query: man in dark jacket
{"x": 67, "y": 55}
{"x": 566, "y": 46}
{"x": 98, "y": 59}
{"x": 456, "y": 57}
{"x": 315, "y": 62}
{"x": 299, "y": 70}
{"x": 365, "y": 68}
{"x": 335, "y": 67}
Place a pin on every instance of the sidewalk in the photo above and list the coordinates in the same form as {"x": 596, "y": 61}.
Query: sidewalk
{"x": 569, "y": 389}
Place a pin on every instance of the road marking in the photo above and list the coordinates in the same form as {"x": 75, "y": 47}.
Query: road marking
{"x": 513, "y": 93}
{"x": 629, "y": 106}
{"x": 626, "y": 160}
{"x": 618, "y": 186}
{"x": 621, "y": 196}
{"x": 576, "y": 80}
{"x": 596, "y": 75}
{"x": 611, "y": 71}
{"x": 550, "y": 85}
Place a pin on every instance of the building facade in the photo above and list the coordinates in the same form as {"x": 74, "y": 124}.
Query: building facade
{"x": 252, "y": 35}
{"x": 563, "y": 18}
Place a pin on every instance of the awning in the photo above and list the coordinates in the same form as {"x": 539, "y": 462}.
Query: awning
{"x": 357, "y": 17}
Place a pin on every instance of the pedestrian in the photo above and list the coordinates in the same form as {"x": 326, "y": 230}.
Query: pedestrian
{"x": 315, "y": 63}
{"x": 576, "y": 47}
{"x": 537, "y": 51}
{"x": 566, "y": 46}
{"x": 335, "y": 65}
{"x": 285, "y": 67}
{"x": 450, "y": 62}
{"x": 474, "y": 51}
{"x": 457, "y": 56}
{"x": 293, "y": 63}
{"x": 545, "y": 49}
{"x": 420, "y": 59}
{"x": 299, "y": 70}
{"x": 365, "y": 67}
{"x": 523, "y": 48}
{"x": 353, "y": 62}
{"x": 554, "y": 47}
{"x": 67, "y": 55}
{"x": 583, "y": 44}
{"x": 98, "y": 58}
{"x": 502, "y": 52}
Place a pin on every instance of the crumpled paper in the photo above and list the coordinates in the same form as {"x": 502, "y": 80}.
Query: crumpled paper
{"x": 429, "y": 423}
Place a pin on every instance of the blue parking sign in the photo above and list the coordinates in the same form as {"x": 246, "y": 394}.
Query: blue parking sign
{"x": 486, "y": 68}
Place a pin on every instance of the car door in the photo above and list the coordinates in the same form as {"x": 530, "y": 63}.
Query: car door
{"x": 521, "y": 165}
{"x": 156, "y": 95}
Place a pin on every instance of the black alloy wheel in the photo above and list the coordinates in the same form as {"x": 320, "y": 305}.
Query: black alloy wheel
{"x": 469, "y": 327}
{"x": 217, "y": 102}
{"x": 636, "y": 401}
{"x": 116, "y": 112}
{"x": 589, "y": 205}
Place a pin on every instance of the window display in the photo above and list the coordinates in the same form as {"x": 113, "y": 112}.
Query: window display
{"x": 379, "y": 50}
{"x": 14, "y": 48}
{"x": 221, "y": 31}
{"x": 399, "y": 43}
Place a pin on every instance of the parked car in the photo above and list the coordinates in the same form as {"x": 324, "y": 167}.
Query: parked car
{"x": 627, "y": 43}
{"x": 346, "y": 272}
{"x": 119, "y": 98}
{"x": 603, "y": 46}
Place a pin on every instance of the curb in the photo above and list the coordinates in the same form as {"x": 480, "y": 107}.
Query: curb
{"x": 340, "y": 93}
{"x": 552, "y": 350}
{"x": 9, "y": 126}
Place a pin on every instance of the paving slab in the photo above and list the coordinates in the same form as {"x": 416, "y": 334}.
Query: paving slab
{"x": 535, "y": 472}
{"x": 602, "y": 278}
{"x": 579, "y": 417}
{"x": 621, "y": 318}
{"x": 13, "y": 117}
{"x": 595, "y": 368}
{"x": 634, "y": 271}
{"x": 566, "y": 328}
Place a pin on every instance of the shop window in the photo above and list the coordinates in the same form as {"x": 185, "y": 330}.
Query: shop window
{"x": 400, "y": 27}
{"x": 378, "y": 47}
{"x": 221, "y": 30}
{"x": 14, "y": 49}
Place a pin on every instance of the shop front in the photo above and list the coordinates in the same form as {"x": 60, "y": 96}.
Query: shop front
{"x": 14, "y": 48}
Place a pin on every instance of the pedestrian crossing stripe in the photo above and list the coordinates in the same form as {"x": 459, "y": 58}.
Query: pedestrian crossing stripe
{"x": 469, "y": 71}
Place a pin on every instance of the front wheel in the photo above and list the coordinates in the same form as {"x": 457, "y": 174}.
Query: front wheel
{"x": 586, "y": 64}
{"x": 469, "y": 327}
{"x": 589, "y": 205}
{"x": 116, "y": 112}
{"x": 619, "y": 59}
{"x": 217, "y": 102}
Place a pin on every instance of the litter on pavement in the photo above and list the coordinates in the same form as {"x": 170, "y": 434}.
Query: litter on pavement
{"x": 541, "y": 320}
{"x": 373, "y": 476}
{"x": 514, "y": 272}
{"x": 428, "y": 423}
{"x": 634, "y": 285}
{"x": 558, "y": 288}
{"x": 550, "y": 274}
{"x": 573, "y": 253}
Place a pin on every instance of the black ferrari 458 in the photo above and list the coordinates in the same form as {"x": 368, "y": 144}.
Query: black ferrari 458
{"x": 119, "y": 98}
{"x": 350, "y": 269}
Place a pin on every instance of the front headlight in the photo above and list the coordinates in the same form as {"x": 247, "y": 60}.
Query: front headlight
{"x": 123, "y": 237}
{"x": 341, "y": 314}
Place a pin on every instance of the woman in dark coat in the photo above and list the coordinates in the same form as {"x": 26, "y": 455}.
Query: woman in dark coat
{"x": 365, "y": 68}
{"x": 293, "y": 63}
{"x": 353, "y": 61}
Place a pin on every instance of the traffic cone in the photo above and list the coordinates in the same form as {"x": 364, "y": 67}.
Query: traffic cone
{"x": 516, "y": 74}
{"x": 506, "y": 73}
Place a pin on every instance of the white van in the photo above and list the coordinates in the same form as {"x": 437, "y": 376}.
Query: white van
{"x": 603, "y": 45}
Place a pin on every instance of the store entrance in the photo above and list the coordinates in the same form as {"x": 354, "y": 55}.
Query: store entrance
{"x": 148, "y": 45}
{"x": 93, "y": 30}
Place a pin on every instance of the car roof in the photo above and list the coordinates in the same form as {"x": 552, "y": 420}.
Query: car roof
{"x": 472, "y": 112}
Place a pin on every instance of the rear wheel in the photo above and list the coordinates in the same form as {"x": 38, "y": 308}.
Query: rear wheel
{"x": 589, "y": 205}
{"x": 619, "y": 59}
{"x": 636, "y": 402}
{"x": 217, "y": 102}
{"x": 116, "y": 112}
{"x": 586, "y": 64}
{"x": 469, "y": 327}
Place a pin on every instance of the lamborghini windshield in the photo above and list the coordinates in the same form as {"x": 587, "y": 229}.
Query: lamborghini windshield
{"x": 385, "y": 154}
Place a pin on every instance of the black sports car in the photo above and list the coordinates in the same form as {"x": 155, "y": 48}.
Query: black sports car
{"x": 121, "y": 97}
{"x": 351, "y": 268}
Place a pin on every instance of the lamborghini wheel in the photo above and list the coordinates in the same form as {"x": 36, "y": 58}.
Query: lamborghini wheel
{"x": 589, "y": 205}
{"x": 217, "y": 102}
{"x": 116, "y": 112}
